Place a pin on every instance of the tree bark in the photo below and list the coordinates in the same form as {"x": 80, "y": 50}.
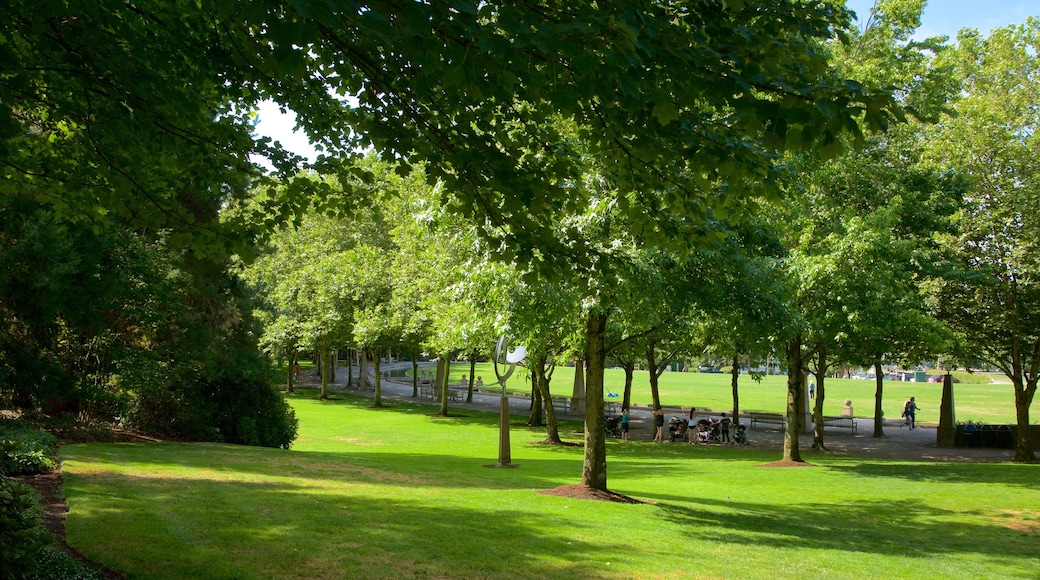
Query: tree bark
{"x": 323, "y": 356}
{"x": 443, "y": 366}
{"x": 290, "y": 385}
{"x": 794, "y": 399}
{"x": 734, "y": 380}
{"x": 377, "y": 399}
{"x": 655, "y": 373}
{"x": 879, "y": 413}
{"x": 626, "y": 398}
{"x": 552, "y": 431}
{"x": 472, "y": 378}
{"x": 350, "y": 368}
{"x": 534, "y": 417}
{"x": 594, "y": 466}
{"x": 415, "y": 375}
{"x": 1023, "y": 438}
{"x": 821, "y": 373}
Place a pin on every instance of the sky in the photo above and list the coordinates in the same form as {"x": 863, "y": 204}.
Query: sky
{"x": 940, "y": 18}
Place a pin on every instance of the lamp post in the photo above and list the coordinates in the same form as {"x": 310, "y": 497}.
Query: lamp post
{"x": 509, "y": 356}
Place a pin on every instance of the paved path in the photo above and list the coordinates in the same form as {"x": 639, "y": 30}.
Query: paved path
{"x": 918, "y": 444}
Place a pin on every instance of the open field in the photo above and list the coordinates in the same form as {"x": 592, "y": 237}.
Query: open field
{"x": 397, "y": 492}
{"x": 990, "y": 403}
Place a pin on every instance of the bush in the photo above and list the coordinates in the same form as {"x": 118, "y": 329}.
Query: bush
{"x": 22, "y": 537}
{"x": 25, "y": 450}
{"x": 971, "y": 378}
{"x": 254, "y": 413}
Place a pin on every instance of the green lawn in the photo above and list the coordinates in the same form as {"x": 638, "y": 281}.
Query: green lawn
{"x": 398, "y": 493}
{"x": 991, "y": 403}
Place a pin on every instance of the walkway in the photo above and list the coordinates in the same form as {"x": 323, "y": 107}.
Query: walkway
{"x": 918, "y": 444}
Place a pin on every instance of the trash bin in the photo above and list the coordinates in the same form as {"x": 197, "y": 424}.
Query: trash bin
{"x": 1005, "y": 437}
{"x": 989, "y": 437}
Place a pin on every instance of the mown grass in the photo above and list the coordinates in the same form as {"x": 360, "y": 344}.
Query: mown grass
{"x": 400, "y": 493}
{"x": 988, "y": 403}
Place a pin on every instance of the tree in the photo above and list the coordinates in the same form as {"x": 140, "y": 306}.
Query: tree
{"x": 993, "y": 300}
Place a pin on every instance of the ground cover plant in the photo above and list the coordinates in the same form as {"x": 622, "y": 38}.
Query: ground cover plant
{"x": 399, "y": 492}
{"x": 989, "y": 402}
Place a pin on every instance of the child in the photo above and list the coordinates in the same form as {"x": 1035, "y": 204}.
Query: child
{"x": 741, "y": 435}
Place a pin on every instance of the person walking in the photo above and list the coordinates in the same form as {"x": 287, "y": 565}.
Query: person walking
{"x": 910, "y": 412}
{"x": 624, "y": 424}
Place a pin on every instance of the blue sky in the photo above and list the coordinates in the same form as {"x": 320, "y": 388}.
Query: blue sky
{"x": 946, "y": 17}
{"x": 941, "y": 17}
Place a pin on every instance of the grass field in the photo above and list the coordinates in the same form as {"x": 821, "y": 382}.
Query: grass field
{"x": 990, "y": 403}
{"x": 399, "y": 493}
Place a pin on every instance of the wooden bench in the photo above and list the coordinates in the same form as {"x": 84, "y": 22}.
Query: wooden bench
{"x": 840, "y": 423}
{"x": 456, "y": 395}
{"x": 425, "y": 391}
{"x": 768, "y": 419}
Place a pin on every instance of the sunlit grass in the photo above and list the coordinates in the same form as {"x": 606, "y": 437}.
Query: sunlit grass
{"x": 401, "y": 493}
{"x": 991, "y": 403}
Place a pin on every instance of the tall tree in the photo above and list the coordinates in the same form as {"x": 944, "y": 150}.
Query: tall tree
{"x": 994, "y": 301}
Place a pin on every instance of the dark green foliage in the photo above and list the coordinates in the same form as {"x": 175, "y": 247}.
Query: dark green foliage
{"x": 124, "y": 329}
{"x": 22, "y": 538}
{"x": 25, "y": 450}
{"x": 253, "y": 413}
{"x": 54, "y": 564}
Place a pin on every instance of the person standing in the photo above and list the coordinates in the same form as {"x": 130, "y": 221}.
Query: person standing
{"x": 624, "y": 425}
{"x": 910, "y": 412}
{"x": 658, "y": 425}
{"x": 724, "y": 424}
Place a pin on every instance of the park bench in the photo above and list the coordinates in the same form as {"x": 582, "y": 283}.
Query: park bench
{"x": 768, "y": 419}
{"x": 840, "y": 423}
{"x": 562, "y": 404}
{"x": 425, "y": 391}
{"x": 456, "y": 394}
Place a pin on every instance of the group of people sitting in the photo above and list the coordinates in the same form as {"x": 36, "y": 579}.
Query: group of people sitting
{"x": 707, "y": 430}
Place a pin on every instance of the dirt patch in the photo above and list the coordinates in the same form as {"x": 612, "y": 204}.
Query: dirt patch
{"x": 55, "y": 509}
{"x": 787, "y": 463}
{"x": 580, "y": 491}
{"x": 556, "y": 443}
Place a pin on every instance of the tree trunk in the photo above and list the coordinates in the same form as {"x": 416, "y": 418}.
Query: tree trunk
{"x": 350, "y": 368}
{"x": 415, "y": 375}
{"x": 794, "y": 399}
{"x": 626, "y": 398}
{"x": 290, "y": 386}
{"x": 821, "y": 373}
{"x": 594, "y": 467}
{"x": 734, "y": 381}
{"x": 334, "y": 360}
{"x": 362, "y": 368}
{"x": 472, "y": 377}
{"x": 443, "y": 368}
{"x": 879, "y": 413}
{"x": 534, "y": 417}
{"x": 323, "y": 357}
{"x": 377, "y": 399}
{"x": 1023, "y": 440}
{"x": 552, "y": 431}
{"x": 655, "y": 373}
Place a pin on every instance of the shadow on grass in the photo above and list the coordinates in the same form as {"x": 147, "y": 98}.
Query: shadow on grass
{"x": 902, "y": 529}
{"x": 278, "y": 530}
{"x": 1006, "y": 474}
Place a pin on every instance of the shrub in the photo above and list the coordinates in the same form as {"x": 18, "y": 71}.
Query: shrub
{"x": 22, "y": 537}
{"x": 25, "y": 450}
{"x": 254, "y": 413}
